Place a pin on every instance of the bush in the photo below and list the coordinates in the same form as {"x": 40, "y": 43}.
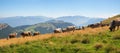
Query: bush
{"x": 85, "y": 40}
{"x": 27, "y": 43}
{"x": 109, "y": 48}
{"x": 118, "y": 50}
{"x": 74, "y": 41}
{"x": 86, "y": 35}
{"x": 104, "y": 41}
{"x": 98, "y": 46}
{"x": 116, "y": 36}
{"x": 12, "y": 45}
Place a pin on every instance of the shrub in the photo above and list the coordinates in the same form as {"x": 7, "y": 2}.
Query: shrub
{"x": 86, "y": 35}
{"x": 104, "y": 41}
{"x": 12, "y": 45}
{"x": 74, "y": 41}
{"x": 118, "y": 51}
{"x": 98, "y": 46}
{"x": 27, "y": 43}
{"x": 85, "y": 40}
{"x": 116, "y": 36}
{"x": 109, "y": 48}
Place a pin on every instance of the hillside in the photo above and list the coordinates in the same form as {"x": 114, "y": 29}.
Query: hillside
{"x": 5, "y": 29}
{"x": 81, "y": 41}
{"x": 46, "y": 27}
{"x": 60, "y": 23}
{"x": 80, "y": 20}
{"x": 107, "y": 21}
{"x": 89, "y": 40}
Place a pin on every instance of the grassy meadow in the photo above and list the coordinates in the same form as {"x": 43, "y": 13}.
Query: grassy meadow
{"x": 97, "y": 40}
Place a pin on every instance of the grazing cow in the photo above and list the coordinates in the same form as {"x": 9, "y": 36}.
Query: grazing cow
{"x": 36, "y": 33}
{"x": 114, "y": 24}
{"x": 58, "y": 30}
{"x": 12, "y": 35}
{"x": 64, "y": 30}
{"x": 28, "y": 33}
{"x": 78, "y": 28}
{"x": 91, "y": 25}
{"x": 71, "y": 28}
{"x": 94, "y": 25}
{"x": 102, "y": 25}
{"x": 97, "y": 25}
{"x": 83, "y": 27}
{"x": 107, "y": 24}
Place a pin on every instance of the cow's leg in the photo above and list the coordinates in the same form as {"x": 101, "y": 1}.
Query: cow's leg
{"x": 114, "y": 28}
{"x": 110, "y": 29}
{"x": 117, "y": 27}
{"x": 73, "y": 30}
{"x": 8, "y": 37}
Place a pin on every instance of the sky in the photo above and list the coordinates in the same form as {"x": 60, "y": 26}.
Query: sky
{"x": 57, "y": 8}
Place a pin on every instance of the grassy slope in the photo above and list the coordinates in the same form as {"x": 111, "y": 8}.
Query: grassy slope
{"x": 107, "y": 21}
{"x": 98, "y": 40}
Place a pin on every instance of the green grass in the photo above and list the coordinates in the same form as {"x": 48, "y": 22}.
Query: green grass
{"x": 103, "y": 42}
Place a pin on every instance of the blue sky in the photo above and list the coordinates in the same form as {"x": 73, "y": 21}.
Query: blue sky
{"x": 57, "y": 8}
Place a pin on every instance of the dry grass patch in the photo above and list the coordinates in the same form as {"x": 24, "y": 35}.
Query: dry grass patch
{"x": 21, "y": 40}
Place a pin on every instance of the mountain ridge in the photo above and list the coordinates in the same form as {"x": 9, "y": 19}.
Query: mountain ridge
{"x": 30, "y": 20}
{"x": 21, "y": 20}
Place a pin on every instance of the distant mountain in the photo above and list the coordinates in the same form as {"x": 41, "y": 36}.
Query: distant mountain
{"x": 59, "y": 23}
{"x": 80, "y": 20}
{"x": 46, "y": 27}
{"x": 30, "y": 20}
{"x": 5, "y": 29}
{"x": 93, "y": 20}
{"x": 21, "y": 27}
{"x": 20, "y": 20}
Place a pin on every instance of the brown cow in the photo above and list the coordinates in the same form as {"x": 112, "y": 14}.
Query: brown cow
{"x": 71, "y": 28}
{"x": 58, "y": 30}
{"x": 83, "y": 27}
{"x": 114, "y": 24}
{"x": 78, "y": 28}
{"x": 64, "y": 30}
{"x": 36, "y": 33}
{"x": 28, "y": 33}
{"x": 12, "y": 35}
{"x": 91, "y": 25}
{"x": 102, "y": 25}
{"x": 94, "y": 25}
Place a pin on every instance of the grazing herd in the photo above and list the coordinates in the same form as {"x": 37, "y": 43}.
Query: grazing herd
{"x": 12, "y": 35}
{"x": 60, "y": 30}
{"x": 23, "y": 34}
{"x": 97, "y": 25}
{"x": 73, "y": 28}
{"x": 113, "y": 25}
{"x": 36, "y": 33}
